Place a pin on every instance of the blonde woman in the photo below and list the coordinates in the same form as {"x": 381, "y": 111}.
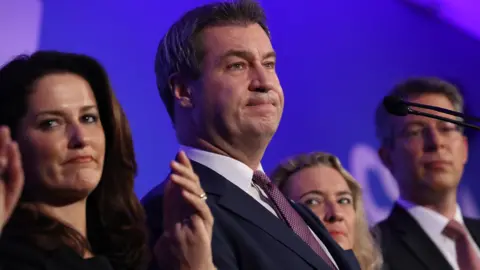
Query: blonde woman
{"x": 319, "y": 181}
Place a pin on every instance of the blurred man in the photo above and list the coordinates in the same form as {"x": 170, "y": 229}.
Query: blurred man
{"x": 426, "y": 229}
{"x": 216, "y": 75}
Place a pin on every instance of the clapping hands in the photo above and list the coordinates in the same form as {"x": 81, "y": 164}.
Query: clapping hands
{"x": 11, "y": 175}
{"x": 188, "y": 222}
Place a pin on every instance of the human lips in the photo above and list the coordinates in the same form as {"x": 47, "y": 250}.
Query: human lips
{"x": 79, "y": 159}
{"x": 437, "y": 164}
{"x": 337, "y": 232}
{"x": 259, "y": 101}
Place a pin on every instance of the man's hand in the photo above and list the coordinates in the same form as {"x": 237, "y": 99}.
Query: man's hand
{"x": 188, "y": 221}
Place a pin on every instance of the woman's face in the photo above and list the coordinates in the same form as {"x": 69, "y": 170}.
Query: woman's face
{"x": 324, "y": 190}
{"x": 61, "y": 139}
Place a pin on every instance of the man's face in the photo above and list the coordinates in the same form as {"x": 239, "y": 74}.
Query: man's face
{"x": 427, "y": 154}
{"x": 238, "y": 93}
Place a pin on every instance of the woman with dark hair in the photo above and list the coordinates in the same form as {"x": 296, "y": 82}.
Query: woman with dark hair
{"x": 78, "y": 209}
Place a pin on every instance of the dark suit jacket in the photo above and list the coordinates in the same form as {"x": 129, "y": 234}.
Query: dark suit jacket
{"x": 17, "y": 254}
{"x": 246, "y": 235}
{"x": 405, "y": 245}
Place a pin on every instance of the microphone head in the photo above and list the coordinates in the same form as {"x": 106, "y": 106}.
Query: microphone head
{"x": 395, "y": 106}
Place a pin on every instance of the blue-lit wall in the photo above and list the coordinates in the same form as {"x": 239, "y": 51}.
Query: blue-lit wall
{"x": 336, "y": 60}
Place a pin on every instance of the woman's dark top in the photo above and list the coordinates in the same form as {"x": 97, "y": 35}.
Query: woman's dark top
{"x": 21, "y": 255}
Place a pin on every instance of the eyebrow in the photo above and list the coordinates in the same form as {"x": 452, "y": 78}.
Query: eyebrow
{"x": 247, "y": 55}
{"x": 318, "y": 192}
{"x": 61, "y": 113}
{"x": 417, "y": 123}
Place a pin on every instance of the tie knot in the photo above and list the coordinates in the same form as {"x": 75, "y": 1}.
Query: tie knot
{"x": 454, "y": 230}
{"x": 261, "y": 179}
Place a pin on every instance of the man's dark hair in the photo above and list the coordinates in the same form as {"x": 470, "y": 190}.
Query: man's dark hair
{"x": 412, "y": 88}
{"x": 181, "y": 50}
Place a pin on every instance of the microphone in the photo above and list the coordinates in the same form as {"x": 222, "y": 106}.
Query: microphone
{"x": 399, "y": 107}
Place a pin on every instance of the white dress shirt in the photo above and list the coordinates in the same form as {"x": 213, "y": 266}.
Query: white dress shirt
{"x": 433, "y": 224}
{"x": 240, "y": 175}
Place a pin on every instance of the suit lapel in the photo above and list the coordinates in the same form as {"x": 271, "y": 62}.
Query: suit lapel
{"x": 473, "y": 226}
{"x": 416, "y": 240}
{"x": 338, "y": 254}
{"x": 243, "y": 205}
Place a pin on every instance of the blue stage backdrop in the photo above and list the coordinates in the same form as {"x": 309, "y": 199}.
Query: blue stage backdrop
{"x": 336, "y": 60}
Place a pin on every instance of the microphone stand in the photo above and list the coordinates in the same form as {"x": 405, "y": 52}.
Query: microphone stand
{"x": 460, "y": 123}
{"x": 441, "y": 110}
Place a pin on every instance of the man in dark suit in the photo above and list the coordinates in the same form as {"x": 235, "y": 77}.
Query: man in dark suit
{"x": 216, "y": 75}
{"x": 426, "y": 228}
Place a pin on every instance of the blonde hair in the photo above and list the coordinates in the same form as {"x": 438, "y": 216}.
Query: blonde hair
{"x": 365, "y": 248}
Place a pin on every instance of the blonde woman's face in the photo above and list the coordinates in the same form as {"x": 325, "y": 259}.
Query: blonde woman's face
{"x": 324, "y": 190}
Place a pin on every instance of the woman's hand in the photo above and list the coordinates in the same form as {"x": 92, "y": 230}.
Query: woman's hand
{"x": 188, "y": 222}
{"x": 11, "y": 175}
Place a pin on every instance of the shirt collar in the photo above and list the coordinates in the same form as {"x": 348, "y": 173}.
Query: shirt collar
{"x": 431, "y": 221}
{"x": 233, "y": 170}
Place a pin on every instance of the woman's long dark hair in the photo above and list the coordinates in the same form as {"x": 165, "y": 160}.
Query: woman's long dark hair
{"x": 115, "y": 218}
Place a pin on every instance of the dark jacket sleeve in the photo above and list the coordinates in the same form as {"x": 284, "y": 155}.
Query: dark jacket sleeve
{"x": 153, "y": 205}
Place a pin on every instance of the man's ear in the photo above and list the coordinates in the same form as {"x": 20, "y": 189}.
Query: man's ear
{"x": 181, "y": 90}
{"x": 384, "y": 153}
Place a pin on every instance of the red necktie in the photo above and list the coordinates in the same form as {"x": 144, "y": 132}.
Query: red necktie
{"x": 285, "y": 211}
{"x": 467, "y": 258}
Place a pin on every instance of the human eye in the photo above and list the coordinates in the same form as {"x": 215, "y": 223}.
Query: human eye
{"x": 237, "y": 66}
{"x": 447, "y": 128}
{"x": 270, "y": 64}
{"x": 413, "y": 132}
{"x": 313, "y": 201}
{"x": 48, "y": 124}
{"x": 345, "y": 200}
{"x": 89, "y": 118}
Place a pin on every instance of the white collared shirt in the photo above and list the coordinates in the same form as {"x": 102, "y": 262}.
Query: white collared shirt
{"x": 433, "y": 224}
{"x": 240, "y": 175}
